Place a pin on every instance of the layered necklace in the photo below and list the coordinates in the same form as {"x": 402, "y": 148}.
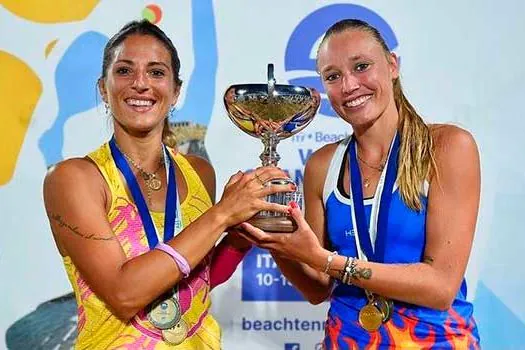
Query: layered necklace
{"x": 151, "y": 180}
{"x": 379, "y": 168}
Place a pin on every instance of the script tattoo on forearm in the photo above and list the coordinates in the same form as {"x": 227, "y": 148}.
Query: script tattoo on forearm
{"x": 428, "y": 260}
{"x": 74, "y": 229}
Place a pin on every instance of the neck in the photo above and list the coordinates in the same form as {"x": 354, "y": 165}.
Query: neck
{"x": 374, "y": 140}
{"x": 145, "y": 150}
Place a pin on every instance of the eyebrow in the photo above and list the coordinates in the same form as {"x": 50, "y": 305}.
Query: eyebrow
{"x": 153, "y": 63}
{"x": 351, "y": 58}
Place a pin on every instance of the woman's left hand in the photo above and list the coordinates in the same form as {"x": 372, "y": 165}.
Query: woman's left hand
{"x": 300, "y": 245}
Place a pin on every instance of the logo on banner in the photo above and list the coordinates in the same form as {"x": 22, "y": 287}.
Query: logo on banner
{"x": 292, "y": 346}
{"x": 302, "y": 46}
{"x": 263, "y": 281}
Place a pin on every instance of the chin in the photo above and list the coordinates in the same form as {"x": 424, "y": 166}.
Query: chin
{"x": 140, "y": 129}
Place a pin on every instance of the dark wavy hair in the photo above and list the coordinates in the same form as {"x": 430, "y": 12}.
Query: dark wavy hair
{"x": 144, "y": 27}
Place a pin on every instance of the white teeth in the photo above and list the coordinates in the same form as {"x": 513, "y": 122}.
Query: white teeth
{"x": 358, "y": 101}
{"x": 134, "y": 102}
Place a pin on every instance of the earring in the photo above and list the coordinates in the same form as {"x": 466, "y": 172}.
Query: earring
{"x": 171, "y": 112}
{"x": 106, "y": 108}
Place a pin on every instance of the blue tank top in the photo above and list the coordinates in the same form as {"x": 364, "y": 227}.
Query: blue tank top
{"x": 411, "y": 326}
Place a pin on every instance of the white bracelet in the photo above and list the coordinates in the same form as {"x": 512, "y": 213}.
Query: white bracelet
{"x": 329, "y": 260}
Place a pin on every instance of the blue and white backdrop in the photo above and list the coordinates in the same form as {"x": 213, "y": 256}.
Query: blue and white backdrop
{"x": 462, "y": 62}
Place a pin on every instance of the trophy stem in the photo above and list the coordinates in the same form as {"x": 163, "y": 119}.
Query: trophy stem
{"x": 270, "y": 155}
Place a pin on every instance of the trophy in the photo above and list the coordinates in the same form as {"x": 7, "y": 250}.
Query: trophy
{"x": 271, "y": 113}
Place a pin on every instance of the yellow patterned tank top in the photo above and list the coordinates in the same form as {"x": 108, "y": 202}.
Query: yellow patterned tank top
{"x": 97, "y": 327}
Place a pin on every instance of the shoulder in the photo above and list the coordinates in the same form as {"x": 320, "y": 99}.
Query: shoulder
{"x": 455, "y": 152}
{"x": 73, "y": 169}
{"x": 317, "y": 166}
{"x": 323, "y": 156}
{"x": 201, "y": 165}
{"x": 76, "y": 174}
{"x": 449, "y": 140}
{"x": 205, "y": 170}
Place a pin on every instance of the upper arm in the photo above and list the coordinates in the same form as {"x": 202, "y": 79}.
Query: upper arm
{"x": 75, "y": 205}
{"x": 314, "y": 179}
{"x": 206, "y": 172}
{"x": 453, "y": 201}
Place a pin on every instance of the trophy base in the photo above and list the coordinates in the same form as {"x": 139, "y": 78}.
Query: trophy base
{"x": 274, "y": 224}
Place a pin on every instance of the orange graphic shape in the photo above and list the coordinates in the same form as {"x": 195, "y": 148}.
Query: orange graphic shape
{"x": 50, "y": 11}
{"x": 20, "y": 89}
{"x": 50, "y": 47}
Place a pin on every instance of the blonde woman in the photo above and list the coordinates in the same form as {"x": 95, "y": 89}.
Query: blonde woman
{"x": 390, "y": 211}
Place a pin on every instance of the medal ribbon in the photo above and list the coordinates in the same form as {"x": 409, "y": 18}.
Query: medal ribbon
{"x": 380, "y": 209}
{"x": 170, "y": 213}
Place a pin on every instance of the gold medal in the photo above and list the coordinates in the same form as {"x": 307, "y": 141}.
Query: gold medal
{"x": 384, "y": 305}
{"x": 164, "y": 313}
{"x": 177, "y": 334}
{"x": 370, "y": 317}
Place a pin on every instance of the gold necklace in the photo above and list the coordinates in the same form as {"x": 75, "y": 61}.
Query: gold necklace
{"x": 379, "y": 168}
{"x": 150, "y": 179}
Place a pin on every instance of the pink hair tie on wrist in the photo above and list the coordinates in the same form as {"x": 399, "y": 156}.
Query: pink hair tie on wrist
{"x": 181, "y": 262}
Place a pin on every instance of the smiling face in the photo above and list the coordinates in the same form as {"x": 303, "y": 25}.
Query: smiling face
{"x": 358, "y": 76}
{"x": 139, "y": 85}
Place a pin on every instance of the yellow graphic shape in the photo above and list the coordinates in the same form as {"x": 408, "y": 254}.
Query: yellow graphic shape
{"x": 50, "y": 47}
{"x": 50, "y": 11}
{"x": 20, "y": 89}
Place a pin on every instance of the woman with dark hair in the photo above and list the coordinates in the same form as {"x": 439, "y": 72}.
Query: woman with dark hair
{"x": 390, "y": 211}
{"x": 134, "y": 220}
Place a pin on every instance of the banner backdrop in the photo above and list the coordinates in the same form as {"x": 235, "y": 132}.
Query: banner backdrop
{"x": 461, "y": 62}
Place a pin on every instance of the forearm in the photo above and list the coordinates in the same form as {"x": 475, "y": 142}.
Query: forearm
{"x": 196, "y": 241}
{"x": 417, "y": 283}
{"x": 314, "y": 285}
{"x": 141, "y": 279}
{"x": 225, "y": 260}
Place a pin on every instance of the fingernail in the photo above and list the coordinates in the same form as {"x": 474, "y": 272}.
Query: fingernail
{"x": 294, "y": 187}
{"x": 290, "y": 209}
{"x": 294, "y": 205}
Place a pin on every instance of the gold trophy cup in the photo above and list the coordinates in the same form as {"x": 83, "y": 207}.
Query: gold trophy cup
{"x": 271, "y": 113}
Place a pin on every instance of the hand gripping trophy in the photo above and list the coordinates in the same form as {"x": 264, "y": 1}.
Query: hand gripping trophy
{"x": 271, "y": 113}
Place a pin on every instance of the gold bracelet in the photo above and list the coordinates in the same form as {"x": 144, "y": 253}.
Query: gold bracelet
{"x": 329, "y": 260}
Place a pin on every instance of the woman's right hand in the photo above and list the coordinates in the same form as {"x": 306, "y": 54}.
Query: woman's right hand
{"x": 244, "y": 194}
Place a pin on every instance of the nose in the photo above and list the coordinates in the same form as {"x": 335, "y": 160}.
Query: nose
{"x": 350, "y": 84}
{"x": 140, "y": 83}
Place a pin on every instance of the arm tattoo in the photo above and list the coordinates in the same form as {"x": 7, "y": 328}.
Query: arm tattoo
{"x": 428, "y": 260}
{"x": 74, "y": 229}
{"x": 364, "y": 273}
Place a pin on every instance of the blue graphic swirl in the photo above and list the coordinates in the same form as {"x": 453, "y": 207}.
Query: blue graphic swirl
{"x": 75, "y": 80}
{"x": 200, "y": 96}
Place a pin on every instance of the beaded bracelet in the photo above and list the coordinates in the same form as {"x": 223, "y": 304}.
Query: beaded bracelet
{"x": 344, "y": 273}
